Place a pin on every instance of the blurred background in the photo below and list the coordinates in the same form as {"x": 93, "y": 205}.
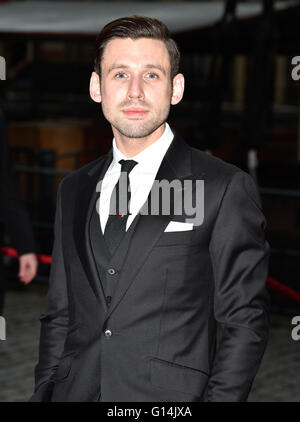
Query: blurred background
{"x": 241, "y": 61}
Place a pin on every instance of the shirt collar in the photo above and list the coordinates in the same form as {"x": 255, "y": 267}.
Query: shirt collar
{"x": 149, "y": 156}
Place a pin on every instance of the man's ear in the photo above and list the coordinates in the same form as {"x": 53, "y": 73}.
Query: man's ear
{"x": 178, "y": 88}
{"x": 95, "y": 88}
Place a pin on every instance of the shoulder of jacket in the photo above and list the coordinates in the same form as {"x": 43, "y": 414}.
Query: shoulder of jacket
{"x": 72, "y": 177}
{"x": 213, "y": 167}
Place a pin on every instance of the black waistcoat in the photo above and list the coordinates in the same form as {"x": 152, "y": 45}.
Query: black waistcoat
{"x": 108, "y": 266}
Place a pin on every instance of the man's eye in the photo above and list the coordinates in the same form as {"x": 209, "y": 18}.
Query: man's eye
{"x": 152, "y": 75}
{"x": 120, "y": 75}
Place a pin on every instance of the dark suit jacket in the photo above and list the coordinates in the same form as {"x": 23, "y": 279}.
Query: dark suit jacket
{"x": 174, "y": 289}
{"x": 13, "y": 216}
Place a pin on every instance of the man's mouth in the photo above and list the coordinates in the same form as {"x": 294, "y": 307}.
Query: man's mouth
{"x": 135, "y": 112}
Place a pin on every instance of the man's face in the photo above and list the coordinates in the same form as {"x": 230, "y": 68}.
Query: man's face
{"x": 135, "y": 86}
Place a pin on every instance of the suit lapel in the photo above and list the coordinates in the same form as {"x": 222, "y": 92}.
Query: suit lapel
{"x": 176, "y": 164}
{"x": 85, "y": 200}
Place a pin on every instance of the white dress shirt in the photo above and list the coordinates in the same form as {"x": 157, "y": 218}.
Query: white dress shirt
{"x": 141, "y": 176}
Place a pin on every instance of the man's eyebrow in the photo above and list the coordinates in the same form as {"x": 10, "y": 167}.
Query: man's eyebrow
{"x": 148, "y": 66}
{"x": 117, "y": 66}
{"x": 155, "y": 66}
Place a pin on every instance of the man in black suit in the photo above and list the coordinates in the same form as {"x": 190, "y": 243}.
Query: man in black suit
{"x": 14, "y": 219}
{"x": 137, "y": 290}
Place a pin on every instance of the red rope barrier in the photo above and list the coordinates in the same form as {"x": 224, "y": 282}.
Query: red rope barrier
{"x": 282, "y": 289}
{"x": 271, "y": 282}
{"x": 44, "y": 259}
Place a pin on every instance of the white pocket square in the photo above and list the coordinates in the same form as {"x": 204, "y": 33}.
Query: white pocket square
{"x": 178, "y": 226}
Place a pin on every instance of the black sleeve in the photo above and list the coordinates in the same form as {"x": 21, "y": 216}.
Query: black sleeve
{"x": 240, "y": 255}
{"x": 55, "y": 318}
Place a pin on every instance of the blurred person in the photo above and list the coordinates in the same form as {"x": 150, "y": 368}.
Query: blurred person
{"x": 135, "y": 299}
{"x": 14, "y": 219}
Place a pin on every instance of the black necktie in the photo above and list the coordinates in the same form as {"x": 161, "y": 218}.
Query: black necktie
{"x": 119, "y": 207}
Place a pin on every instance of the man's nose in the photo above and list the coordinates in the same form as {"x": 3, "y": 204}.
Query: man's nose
{"x": 135, "y": 89}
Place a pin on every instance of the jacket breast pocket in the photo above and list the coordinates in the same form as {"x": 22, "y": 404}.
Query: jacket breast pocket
{"x": 64, "y": 368}
{"x": 177, "y": 377}
{"x": 175, "y": 238}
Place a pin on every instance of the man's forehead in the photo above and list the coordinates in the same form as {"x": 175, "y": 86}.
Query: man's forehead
{"x": 141, "y": 49}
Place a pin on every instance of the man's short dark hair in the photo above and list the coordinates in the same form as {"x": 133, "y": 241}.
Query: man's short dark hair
{"x": 136, "y": 27}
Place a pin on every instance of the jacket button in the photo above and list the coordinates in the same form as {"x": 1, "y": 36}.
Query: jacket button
{"x": 111, "y": 271}
{"x": 108, "y": 299}
{"x": 108, "y": 333}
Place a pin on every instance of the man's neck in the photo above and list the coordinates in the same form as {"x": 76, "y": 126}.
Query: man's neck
{"x": 133, "y": 146}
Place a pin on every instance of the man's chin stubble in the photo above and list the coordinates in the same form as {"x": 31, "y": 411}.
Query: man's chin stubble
{"x": 137, "y": 132}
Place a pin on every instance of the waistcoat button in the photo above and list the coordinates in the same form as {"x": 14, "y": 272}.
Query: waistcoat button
{"x": 111, "y": 271}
